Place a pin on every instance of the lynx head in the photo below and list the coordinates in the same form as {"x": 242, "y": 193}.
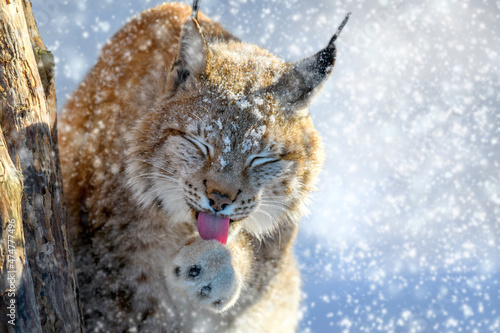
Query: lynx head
{"x": 229, "y": 140}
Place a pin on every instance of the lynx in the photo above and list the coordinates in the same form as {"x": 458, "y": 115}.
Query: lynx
{"x": 187, "y": 159}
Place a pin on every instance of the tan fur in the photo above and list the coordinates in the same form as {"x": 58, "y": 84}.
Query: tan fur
{"x": 134, "y": 181}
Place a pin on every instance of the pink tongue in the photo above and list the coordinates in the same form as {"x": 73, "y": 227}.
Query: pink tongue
{"x": 213, "y": 227}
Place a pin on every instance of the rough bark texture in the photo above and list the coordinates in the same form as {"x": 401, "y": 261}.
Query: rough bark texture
{"x": 38, "y": 287}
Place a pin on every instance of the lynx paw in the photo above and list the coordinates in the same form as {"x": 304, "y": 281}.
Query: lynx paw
{"x": 202, "y": 270}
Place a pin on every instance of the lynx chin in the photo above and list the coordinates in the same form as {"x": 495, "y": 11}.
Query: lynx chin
{"x": 187, "y": 159}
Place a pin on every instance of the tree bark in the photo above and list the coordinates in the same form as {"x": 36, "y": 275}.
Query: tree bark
{"x": 38, "y": 286}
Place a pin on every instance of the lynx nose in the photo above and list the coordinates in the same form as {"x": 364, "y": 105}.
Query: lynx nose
{"x": 218, "y": 201}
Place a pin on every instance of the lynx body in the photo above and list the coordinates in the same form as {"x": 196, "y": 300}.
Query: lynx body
{"x": 177, "y": 130}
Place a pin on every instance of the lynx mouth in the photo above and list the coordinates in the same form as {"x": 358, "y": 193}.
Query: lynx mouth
{"x": 212, "y": 226}
{"x": 197, "y": 213}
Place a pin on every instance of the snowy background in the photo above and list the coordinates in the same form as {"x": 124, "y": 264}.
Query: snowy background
{"x": 404, "y": 233}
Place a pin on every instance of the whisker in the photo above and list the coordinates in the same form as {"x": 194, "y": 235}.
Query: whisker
{"x": 154, "y": 176}
{"x": 274, "y": 199}
{"x": 187, "y": 213}
{"x": 169, "y": 190}
{"x": 281, "y": 199}
{"x": 260, "y": 229}
{"x": 269, "y": 202}
{"x": 264, "y": 212}
{"x": 282, "y": 209}
{"x": 279, "y": 237}
{"x": 205, "y": 109}
{"x": 194, "y": 115}
{"x": 156, "y": 166}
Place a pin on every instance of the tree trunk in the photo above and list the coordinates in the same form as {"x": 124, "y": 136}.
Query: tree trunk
{"x": 38, "y": 287}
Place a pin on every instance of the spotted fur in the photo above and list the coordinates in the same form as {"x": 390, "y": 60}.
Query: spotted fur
{"x": 175, "y": 109}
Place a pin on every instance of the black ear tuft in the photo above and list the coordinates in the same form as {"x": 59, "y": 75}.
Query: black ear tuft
{"x": 195, "y": 7}
{"x": 339, "y": 29}
{"x": 297, "y": 87}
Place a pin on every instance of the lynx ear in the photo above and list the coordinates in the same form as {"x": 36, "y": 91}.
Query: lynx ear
{"x": 298, "y": 86}
{"x": 192, "y": 55}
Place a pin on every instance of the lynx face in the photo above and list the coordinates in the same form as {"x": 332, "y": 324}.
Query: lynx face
{"x": 222, "y": 143}
{"x": 228, "y": 138}
{"x": 243, "y": 159}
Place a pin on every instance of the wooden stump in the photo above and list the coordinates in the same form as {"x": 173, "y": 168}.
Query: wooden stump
{"x": 38, "y": 287}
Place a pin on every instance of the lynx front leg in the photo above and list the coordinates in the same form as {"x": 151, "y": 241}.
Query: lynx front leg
{"x": 207, "y": 273}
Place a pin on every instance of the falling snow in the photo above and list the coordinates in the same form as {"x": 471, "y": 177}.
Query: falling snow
{"x": 404, "y": 233}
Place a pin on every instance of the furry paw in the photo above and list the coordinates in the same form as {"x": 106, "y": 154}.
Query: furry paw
{"x": 203, "y": 271}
